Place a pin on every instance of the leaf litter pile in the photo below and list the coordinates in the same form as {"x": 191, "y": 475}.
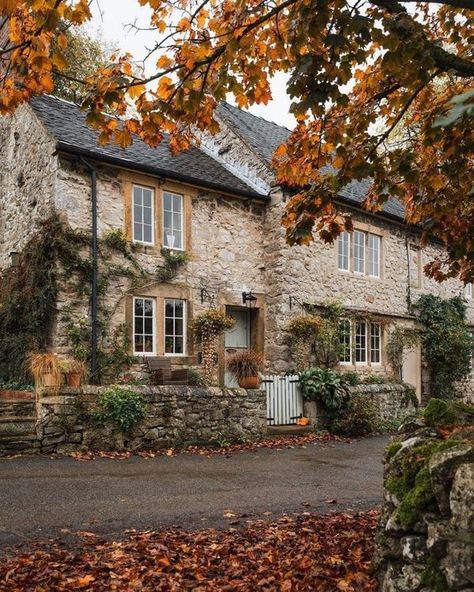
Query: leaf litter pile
{"x": 277, "y": 443}
{"x": 308, "y": 552}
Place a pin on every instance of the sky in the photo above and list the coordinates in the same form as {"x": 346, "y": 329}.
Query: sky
{"x": 110, "y": 20}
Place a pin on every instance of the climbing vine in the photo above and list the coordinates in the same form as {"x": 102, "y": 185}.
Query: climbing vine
{"x": 400, "y": 340}
{"x": 57, "y": 258}
{"x": 447, "y": 343}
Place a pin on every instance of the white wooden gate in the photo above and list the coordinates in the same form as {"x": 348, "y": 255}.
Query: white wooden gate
{"x": 284, "y": 400}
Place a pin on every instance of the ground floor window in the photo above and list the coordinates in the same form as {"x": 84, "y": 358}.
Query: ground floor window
{"x": 175, "y": 320}
{"x": 144, "y": 323}
{"x": 361, "y": 343}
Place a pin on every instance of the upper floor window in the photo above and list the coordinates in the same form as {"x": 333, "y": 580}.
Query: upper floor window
{"x": 343, "y": 251}
{"x": 468, "y": 290}
{"x": 144, "y": 323}
{"x": 175, "y": 320}
{"x": 143, "y": 215}
{"x": 173, "y": 220}
{"x": 360, "y": 252}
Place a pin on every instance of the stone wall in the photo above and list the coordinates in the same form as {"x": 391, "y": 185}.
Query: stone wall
{"x": 426, "y": 540}
{"x": 176, "y": 416}
{"x": 394, "y": 402}
{"x": 27, "y": 180}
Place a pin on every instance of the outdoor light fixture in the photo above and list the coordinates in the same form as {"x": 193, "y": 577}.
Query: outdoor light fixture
{"x": 14, "y": 258}
{"x": 294, "y": 301}
{"x": 206, "y": 296}
{"x": 249, "y": 299}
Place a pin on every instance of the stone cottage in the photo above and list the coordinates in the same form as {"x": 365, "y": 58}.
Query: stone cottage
{"x": 220, "y": 205}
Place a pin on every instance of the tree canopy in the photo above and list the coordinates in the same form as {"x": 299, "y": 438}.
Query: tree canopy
{"x": 358, "y": 70}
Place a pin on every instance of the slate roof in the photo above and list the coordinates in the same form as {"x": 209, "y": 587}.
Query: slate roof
{"x": 66, "y": 123}
{"x": 265, "y": 137}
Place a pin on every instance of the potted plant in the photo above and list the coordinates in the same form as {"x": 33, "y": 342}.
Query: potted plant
{"x": 46, "y": 369}
{"x": 75, "y": 372}
{"x": 245, "y": 367}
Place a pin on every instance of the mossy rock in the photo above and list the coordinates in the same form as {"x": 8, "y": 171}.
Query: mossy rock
{"x": 440, "y": 412}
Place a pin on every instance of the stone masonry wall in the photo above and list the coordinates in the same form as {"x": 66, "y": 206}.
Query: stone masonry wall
{"x": 176, "y": 416}
{"x": 394, "y": 402}
{"x": 425, "y": 542}
{"x": 27, "y": 180}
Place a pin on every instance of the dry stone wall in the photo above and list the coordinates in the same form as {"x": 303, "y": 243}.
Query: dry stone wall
{"x": 426, "y": 539}
{"x": 176, "y": 416}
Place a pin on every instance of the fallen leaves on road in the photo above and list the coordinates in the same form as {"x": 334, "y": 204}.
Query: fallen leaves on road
{"x": 329, "y": 553}
{"x": 277, "y": 443}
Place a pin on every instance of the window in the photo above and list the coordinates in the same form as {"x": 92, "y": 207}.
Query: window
{"x": 144, "y": 326}
{"x": 359, "y": 252}
{"x": 173, "y": 220}
{"x": 175, "y": 327}
{"x": 468, "y": 290}
{"x": 363, "y": 250}
{"x": 375, "y": 343}
{"x": 361, "y": 343}
{"x": 143, "y": 207}
{"x": 343, "y": 251}
{"x": 345, "y": 339}
{"x": 374, "y": 255}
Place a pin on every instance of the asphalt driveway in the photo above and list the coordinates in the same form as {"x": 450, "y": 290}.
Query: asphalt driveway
{"x": 42, "y": 497}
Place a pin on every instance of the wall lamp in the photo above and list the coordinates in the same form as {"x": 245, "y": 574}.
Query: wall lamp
{"x": 249, "y": 299}
{"x": 294, "y": 301}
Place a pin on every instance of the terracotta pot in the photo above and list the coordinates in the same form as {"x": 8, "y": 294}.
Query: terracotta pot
{"x": 74, "y": 379}
{"x": 250, "y": 382}
{"x": 48, "y": 380}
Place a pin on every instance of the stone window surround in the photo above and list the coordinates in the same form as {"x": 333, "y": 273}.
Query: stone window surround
{"x": 159, "y": 186}
{"x": 159, "y": 294}
{"x": 367, "y": 229}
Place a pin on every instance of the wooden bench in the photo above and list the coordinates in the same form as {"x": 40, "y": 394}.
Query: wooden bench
{"x": 162, "y": 374}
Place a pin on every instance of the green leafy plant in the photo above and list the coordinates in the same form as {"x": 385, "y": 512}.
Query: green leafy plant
{"x": 121, "y": 407}
{"x": 374, "y": 379}
{"x": 400, "y": 340}
{"x": 173, "y": 261}
{"x": 195, "y": 378}
{"x": 15, "y": 385}
{"x": 325, "y": 386}
{"x": 350, "y": 378}
{"x": 447, "y": 342}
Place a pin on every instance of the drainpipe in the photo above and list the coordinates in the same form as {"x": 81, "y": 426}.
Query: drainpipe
{"x": 94, "y": 272}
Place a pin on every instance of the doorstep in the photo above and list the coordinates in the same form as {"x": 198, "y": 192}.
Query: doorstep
{"x": 290, "y": 430}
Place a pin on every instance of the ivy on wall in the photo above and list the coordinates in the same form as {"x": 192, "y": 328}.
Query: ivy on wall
{"x": 55, "y": 258}
{"x": 447, "y": 343}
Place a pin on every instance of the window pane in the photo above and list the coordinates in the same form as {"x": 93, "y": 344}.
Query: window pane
{"x": 169, "y": 308}
{"x": 374, "y": 255}
{"x": 148, "y": 326}
{"x": 139, "y": 325}
{"x": 148, "y": 307}
{"x": 178, "y": 345}
{"x": 179, "y": 308}
{"x": 138, "y": 306}
{"x": 147, "y": 234}
{"x": 138, "y": 343}
{"x": 147, "y": 215}
{"x": 375, "y": 343}
{"x": 178, "y": 327}
{"x": 361, "y": 342}
{"x": 177, "y": 199}
{"x": 147, "y": 198}
{"x": 137, "y": 232}
{"x": 137, "y": 196}
{"x": 359, "y": 251}
{"x": 137, "y": 213}
{"x": 178, "y": 241}
{"x": 167, "y": 221}
{"x": 343, "y": 251}
{"x": 167, "y": 201}
{"x": 169, "y": 326}
{"x": 148, "y": 348}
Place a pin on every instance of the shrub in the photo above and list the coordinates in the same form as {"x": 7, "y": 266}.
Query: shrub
{"x": 325, "y": 386}
{"x": 120, "y": 406}
{"x": 302, "y": 332}
{"x": 244, "y": 364}
{"x": 195, "y": 378}
{"x": 351, "y": 378}
{"x": 439, "y": 412}
{"x": 359, "y": 417}
{"x": 207, "y": 326}
{"x": 374, "y": 379}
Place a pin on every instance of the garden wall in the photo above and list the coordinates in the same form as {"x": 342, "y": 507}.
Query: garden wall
{"x": 426, "y": 541}
{"x": 176, "y": 416}
{"x": 393, "y": 401}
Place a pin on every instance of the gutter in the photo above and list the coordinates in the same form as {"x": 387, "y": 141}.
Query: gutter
{"x": 94, "y": 271}
{"x": 156, "y": 171}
